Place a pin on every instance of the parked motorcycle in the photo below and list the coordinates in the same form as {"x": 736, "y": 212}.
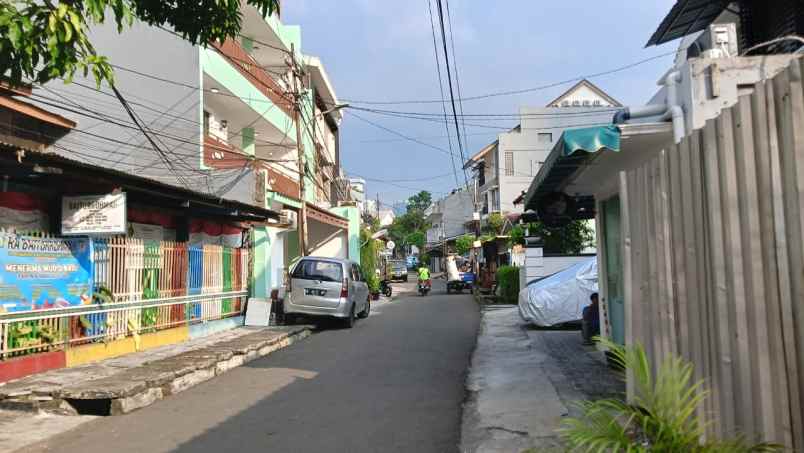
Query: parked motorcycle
{"x": 385, "y": 288}
{"x": 424, "y": 287}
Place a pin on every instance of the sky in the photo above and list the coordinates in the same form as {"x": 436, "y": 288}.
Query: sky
{"x": 382, "y": 50}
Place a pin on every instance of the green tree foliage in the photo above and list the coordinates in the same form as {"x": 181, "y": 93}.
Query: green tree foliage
{"x": 464, "y": 243}
{"x": 508, "y": 282}
{"x": 570, "y": 239}
{"x": 411, "y": 227}
{"x": 664, "y": 416}
{"x": 41, "y": 40}
{"x": 420, "y": 201}
{"x": 494, "y": 224}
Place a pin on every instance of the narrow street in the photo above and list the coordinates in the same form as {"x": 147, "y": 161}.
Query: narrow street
{"x": 393, "y": 383}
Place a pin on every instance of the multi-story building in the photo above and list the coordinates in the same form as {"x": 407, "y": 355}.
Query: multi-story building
{"x": 220, "y": 161}
{"x": 504, "y": 168}
{"x": 449, "y": 218}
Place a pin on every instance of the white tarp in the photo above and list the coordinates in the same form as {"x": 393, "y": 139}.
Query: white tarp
{"x": 452, "y": 269}
{"x": 560, "y": 297}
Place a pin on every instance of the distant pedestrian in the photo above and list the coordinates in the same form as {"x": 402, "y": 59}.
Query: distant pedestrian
{"x": 590, "y": 324}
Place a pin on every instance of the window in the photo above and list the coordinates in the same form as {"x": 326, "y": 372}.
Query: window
{"x": 509, "y": 163}
{"x": 326, "y": 271}
{"x": 587, "y": 103}
{"x": 576, "y": 103}
{"x": 565, "y": 103}
{"x": 597, "y": 103}
{"x": 545, "y": 137}
{"x": 356, "y": 276}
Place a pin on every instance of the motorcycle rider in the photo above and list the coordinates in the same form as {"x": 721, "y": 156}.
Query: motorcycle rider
{"x": 424, "y": 275}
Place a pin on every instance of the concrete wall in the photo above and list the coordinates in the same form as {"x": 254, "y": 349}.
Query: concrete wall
{"x": 353, "y": 214}
{"x": 171, "y": 110}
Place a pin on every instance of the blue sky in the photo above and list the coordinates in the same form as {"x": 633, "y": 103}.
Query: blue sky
{"x": 377, "y": 50}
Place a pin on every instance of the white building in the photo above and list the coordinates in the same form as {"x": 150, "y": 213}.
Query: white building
{"x": 448, "y": 217}
{"x": 387, "y": 217}
{"x": 505, "y": 168}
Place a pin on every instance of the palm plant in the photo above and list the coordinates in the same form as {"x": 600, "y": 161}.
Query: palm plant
{"x": 663, "y": 417}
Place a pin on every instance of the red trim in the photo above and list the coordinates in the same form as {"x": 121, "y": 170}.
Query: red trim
{"x": 31, "y": 364}
{"x": 213, "y": 228}
{"x": 22, "y": 201}
{"x": 151, "y": 218}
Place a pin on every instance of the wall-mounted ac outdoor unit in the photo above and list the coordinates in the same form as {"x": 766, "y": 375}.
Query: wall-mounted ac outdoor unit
{"x": 289, "y": 217}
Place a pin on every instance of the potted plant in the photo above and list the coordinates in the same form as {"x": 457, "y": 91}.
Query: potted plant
{"x": 373, "y": 283}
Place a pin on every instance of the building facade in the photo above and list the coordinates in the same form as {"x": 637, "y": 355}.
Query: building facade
{"x": 504, "y": 168}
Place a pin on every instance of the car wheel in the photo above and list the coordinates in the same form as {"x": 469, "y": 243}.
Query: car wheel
{"x": 388, "y": 291}
{"x": 366, "y": 311}
{"x": 350, "y": 321}
{"x": 405, "y": 279}
{"x": 449, "y": 290}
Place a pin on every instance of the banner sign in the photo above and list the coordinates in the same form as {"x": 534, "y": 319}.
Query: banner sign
{"x": 41, "y": 273}
{"x": 93, "y": 215}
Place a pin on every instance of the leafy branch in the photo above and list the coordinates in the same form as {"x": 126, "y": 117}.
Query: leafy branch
{"x": 41, "y": 41}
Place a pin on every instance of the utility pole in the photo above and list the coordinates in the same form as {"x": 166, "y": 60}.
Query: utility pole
{"x": 302, "y": 229}
{"x": 377, "y": 207}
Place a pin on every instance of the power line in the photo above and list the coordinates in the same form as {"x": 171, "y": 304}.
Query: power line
{"x": 449, "y": 83}
{"x": 521, "y": 91}
{"x": 455, "y": 65}
{"x": 441, "y": 89}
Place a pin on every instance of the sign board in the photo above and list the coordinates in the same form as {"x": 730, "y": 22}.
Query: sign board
{"x": 41, "y": 273}
{"x": 146, "y": 232}
{"x": 477, "y": 244}
{"x": 385, "y": 252}
{"x": 390, "y": 245}
{"x": 93, "y": 215}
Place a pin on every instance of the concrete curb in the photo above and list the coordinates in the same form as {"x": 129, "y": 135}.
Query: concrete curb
{"x": 138, "y": 387}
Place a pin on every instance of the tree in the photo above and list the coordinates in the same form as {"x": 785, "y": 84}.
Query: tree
{"x": 494, "y": 224}
{"x": 41, "y": 40}
{"x": 464, "y": 243}
{"x": 420, "y": 201}
{"x": 570, "y": 239}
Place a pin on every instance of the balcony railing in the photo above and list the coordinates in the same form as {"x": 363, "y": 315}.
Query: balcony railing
{"x": 251, "y": 70}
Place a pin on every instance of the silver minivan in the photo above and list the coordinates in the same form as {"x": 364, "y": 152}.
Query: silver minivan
{"x": 319, "y": 286}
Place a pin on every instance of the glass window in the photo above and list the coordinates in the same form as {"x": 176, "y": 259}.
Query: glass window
{"x": 326, "y": 271}
{"x": 509, "y": 163}
{"x": 545, "y": 137}
{"x": 597, "y": 102}
{"x": 565, "y": 103}
{"x": 587, "y": 103}
{"x": 576, "y": 103}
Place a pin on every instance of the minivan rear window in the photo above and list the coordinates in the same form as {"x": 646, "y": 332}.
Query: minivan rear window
{"x": 326, "y": 271}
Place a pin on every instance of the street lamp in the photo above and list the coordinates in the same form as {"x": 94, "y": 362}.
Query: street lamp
{"x": 333, "y": 109}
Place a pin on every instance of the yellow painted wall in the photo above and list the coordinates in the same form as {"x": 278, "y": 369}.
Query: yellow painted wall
{"x": 80, "y": 355}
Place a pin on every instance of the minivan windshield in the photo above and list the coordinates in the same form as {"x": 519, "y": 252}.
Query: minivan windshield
{"x": 326, "y": 271}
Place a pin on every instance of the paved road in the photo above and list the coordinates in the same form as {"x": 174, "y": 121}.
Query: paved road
{"x": 394, "y": 383}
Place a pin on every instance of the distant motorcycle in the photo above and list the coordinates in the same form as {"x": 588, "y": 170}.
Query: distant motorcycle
{"x": 424, "y": 287}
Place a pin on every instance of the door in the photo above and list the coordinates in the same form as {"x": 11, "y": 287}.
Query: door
{"x": 317, "y": 283}
{"x": 614, "y": 276}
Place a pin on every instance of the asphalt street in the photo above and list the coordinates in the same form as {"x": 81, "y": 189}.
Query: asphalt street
{"x": 393, "y": 383}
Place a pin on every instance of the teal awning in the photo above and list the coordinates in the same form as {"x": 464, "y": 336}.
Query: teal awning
{"x": 590, "y": 139}
{"x": 571, "y": 152}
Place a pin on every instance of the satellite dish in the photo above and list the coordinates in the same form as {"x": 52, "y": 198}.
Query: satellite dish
{"x": 390, "y": 245}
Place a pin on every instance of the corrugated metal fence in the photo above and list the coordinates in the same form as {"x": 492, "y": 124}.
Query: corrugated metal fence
{"x": 714, "y": 260}
{"x": 153, "y": 285}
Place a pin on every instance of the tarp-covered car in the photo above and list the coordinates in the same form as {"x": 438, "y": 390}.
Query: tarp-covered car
{"x": 561, "y": 297}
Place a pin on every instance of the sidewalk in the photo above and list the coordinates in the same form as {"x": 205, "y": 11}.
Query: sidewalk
{"x": 60, "y": 398}
{"x": 523, "y": 381}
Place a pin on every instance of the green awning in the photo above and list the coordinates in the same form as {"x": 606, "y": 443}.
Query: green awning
{"x": 590, "y": 139}
{"x": 571, "y": 152}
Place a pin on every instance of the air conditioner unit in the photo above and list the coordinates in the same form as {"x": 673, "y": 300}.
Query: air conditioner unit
{"x": 289, "y": 217}
{"x": 716, "y": 41}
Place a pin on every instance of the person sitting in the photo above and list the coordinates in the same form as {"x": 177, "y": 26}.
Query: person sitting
{"x": 590, "y": 324}
{"x": 424, "y": 275}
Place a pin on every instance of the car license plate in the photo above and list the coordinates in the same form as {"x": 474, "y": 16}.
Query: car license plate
{"x": 315, "y": 292}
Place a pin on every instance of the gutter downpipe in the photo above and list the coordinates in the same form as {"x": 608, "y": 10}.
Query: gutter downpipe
{"x": 669, "y": 111}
